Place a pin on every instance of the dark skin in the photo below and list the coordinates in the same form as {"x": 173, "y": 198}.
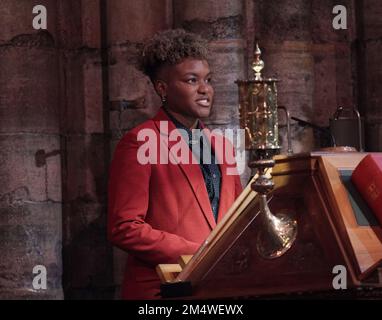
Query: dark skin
{"x": 187, "y": 89}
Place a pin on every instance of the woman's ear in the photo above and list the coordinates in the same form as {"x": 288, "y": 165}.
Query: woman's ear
{"x": 161, "y": 88}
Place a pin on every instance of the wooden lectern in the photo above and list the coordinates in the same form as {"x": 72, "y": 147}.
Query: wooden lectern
{"x": 334, "y": 229}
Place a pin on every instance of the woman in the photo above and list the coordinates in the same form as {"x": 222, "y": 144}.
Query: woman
{"x": 159, "y": 211}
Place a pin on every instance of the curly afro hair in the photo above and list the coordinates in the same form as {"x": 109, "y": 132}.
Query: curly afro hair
{"x": 170, "y": 47}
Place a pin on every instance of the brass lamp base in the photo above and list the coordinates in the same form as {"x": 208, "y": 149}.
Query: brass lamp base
{"x": 279, "y": 231}
{"x": 278, "y": 236}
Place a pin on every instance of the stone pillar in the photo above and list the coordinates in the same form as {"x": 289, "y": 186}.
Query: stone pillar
{"x": 30, "y": 171}
{"x": 87, "y": 255}
{"x": 369, "y": 14}
{"x": 223, "y": 24}
{"x": 129, "y": 24}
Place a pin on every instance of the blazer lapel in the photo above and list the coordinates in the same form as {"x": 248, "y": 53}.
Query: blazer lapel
{"x": 191, "y": 170}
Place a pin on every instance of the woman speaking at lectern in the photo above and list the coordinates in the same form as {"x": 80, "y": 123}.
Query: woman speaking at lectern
{"x": 161, "y": 210}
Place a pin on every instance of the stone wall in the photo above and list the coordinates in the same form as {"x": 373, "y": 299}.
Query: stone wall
{"x": 313, "y": 61}
{"x": 87, "y": 257}
{"x": 30, "y": 157}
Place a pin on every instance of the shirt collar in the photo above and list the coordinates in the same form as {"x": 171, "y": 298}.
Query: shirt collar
{"x": 178, "y": 124}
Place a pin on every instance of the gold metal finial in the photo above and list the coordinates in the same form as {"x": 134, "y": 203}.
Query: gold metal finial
{"x": 257, "y": 64}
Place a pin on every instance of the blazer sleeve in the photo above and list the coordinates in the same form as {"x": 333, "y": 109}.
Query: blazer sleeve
{"x": 127, "y": 206}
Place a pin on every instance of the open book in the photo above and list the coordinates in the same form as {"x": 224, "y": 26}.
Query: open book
{"x": 359, "y": 230}
{"x": 367, "y": 177}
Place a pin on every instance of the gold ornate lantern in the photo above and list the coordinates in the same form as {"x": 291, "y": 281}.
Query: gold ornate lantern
{"x": 258, "y": 117}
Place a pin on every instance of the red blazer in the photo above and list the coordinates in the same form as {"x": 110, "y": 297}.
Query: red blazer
{"x": 158, "y": 212}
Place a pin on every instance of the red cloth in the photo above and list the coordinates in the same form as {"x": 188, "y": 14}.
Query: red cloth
{"x": 367, "y": 177}
{"x": 158, "y": 212}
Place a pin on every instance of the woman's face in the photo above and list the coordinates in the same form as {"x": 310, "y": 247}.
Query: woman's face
{"x": 188, "y": 90}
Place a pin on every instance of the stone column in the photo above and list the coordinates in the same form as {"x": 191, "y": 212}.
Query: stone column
{"x": 132, "y": 99}
{"x": 87, "y": 256}
{"x": 369, "y": 69}
{"x": 30, "y": 171}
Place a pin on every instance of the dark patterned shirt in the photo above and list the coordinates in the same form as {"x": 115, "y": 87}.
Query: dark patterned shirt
{"x": 210, "y": 170}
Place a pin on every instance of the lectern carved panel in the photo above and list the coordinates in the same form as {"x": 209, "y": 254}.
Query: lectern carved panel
{"x": 237, "y": 260}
